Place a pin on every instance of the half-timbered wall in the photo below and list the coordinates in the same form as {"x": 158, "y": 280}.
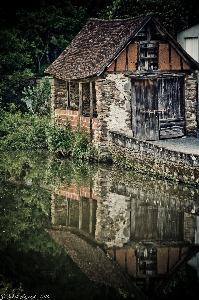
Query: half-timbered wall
{"x": 66, "y": 97}
{"x": 127, "y": 60}
{"x": 149, "y": 56}
{"x": 148, "y": 52}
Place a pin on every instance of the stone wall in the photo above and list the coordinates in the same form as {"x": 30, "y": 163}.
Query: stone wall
{"x": 191, "y": 104}
{"x": 58, "y": 94}
{"x": 113, "y": 93}
{"x": 148, "y": 157}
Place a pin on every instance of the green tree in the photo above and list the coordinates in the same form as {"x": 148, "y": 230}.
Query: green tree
{"x": 15, "y": 66}
{"x": 172, "y": 14}
{"x": 93, "y": 7}
{"x": 13, "y": 52}
{"x": 192, "y": 9}
{"x": 49, "y": 29}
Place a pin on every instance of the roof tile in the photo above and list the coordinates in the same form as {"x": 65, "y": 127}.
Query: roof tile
{"x": 94, "y": 47}
{"x": 99, "y": 43}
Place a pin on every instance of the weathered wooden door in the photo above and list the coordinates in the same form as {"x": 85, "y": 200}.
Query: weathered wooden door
{"x": 170, "y": 105}
{"x": 144, "y": 109}
{"x": 157, "y": 108}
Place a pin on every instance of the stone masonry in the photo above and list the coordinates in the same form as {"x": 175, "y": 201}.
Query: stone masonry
{"x": 113, "y": 107}
{"x": 147, "y": 157}
{"x": 191, "y": 104}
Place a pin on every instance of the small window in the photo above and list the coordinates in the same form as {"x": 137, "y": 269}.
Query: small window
{"x": 148, "y": 56}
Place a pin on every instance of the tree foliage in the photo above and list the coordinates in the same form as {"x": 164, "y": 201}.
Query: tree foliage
{"x": 15, "y": 65}
{"x": 14, "y": 54}
{"x": 40, "y": 31}
{"x": 172, "y": 14}
{"x": 31, "y": 37}
{"x": 38, "y": 98}
{"x": 21, "y": 130}
{"x": 50, "y": 28}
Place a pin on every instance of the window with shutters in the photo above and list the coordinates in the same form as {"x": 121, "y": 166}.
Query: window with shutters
{"x": 148, "y": 56}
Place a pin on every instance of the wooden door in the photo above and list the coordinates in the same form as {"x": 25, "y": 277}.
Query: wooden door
{"x": 157, "y": 108}
{"x": 171, "y": 108}
{"x": 144, "y": 109}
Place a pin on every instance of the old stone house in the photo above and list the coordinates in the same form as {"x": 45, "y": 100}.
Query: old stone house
{"x": 128, "y": 76}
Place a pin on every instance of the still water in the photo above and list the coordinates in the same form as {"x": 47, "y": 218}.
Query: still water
{"x": 78, "y": 231}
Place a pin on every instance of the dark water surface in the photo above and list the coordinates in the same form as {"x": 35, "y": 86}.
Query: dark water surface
{"x": 78, "y": 231}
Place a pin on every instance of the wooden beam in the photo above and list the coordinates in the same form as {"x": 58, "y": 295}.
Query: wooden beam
{"x": 91, "y": 216}
{"x": 127, "y": 50}
{"x": 148, "y": 33}
{"x": 68, "y": 212}
{"x": 170, "y": 65}
{"x": 91, "y": 100}
{"x": 91, "y": 107}
{"x": 80, "y": 212}
{"x": 80, "y": 99}
{"x": 68, "y": 94}
{"x": 86, "y": 80}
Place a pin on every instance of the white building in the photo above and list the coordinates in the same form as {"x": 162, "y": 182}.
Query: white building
{"x": 188, "y": 38}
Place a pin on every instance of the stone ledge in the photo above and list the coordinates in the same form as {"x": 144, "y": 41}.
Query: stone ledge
{"x": 152, "y": 158}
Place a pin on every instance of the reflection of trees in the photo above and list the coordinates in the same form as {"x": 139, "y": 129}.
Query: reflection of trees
{"x": 30, "y": 261}
{"x": 47, "y": 271}
{"x": 25, "y": 211}
{"x": 26, "y": 181}
{"x": 25, "y": 204}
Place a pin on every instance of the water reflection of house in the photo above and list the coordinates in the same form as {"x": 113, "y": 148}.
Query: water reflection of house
{"x": 150, "y": 265}
{"x": 148, "y": 234}
{"x": 75, "y": 207}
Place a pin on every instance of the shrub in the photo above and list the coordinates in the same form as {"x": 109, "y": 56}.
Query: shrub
{"x": 59, "y": 137}
{"x": 37, "y": 98}
{"x": 82, "y": 147}
{"x": 62, "y": 139}
{"x": 21, "y": 131}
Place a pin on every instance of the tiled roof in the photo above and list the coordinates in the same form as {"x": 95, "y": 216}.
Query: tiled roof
{"x": 94, "y": 47}
{"x": 99, "y": 43}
